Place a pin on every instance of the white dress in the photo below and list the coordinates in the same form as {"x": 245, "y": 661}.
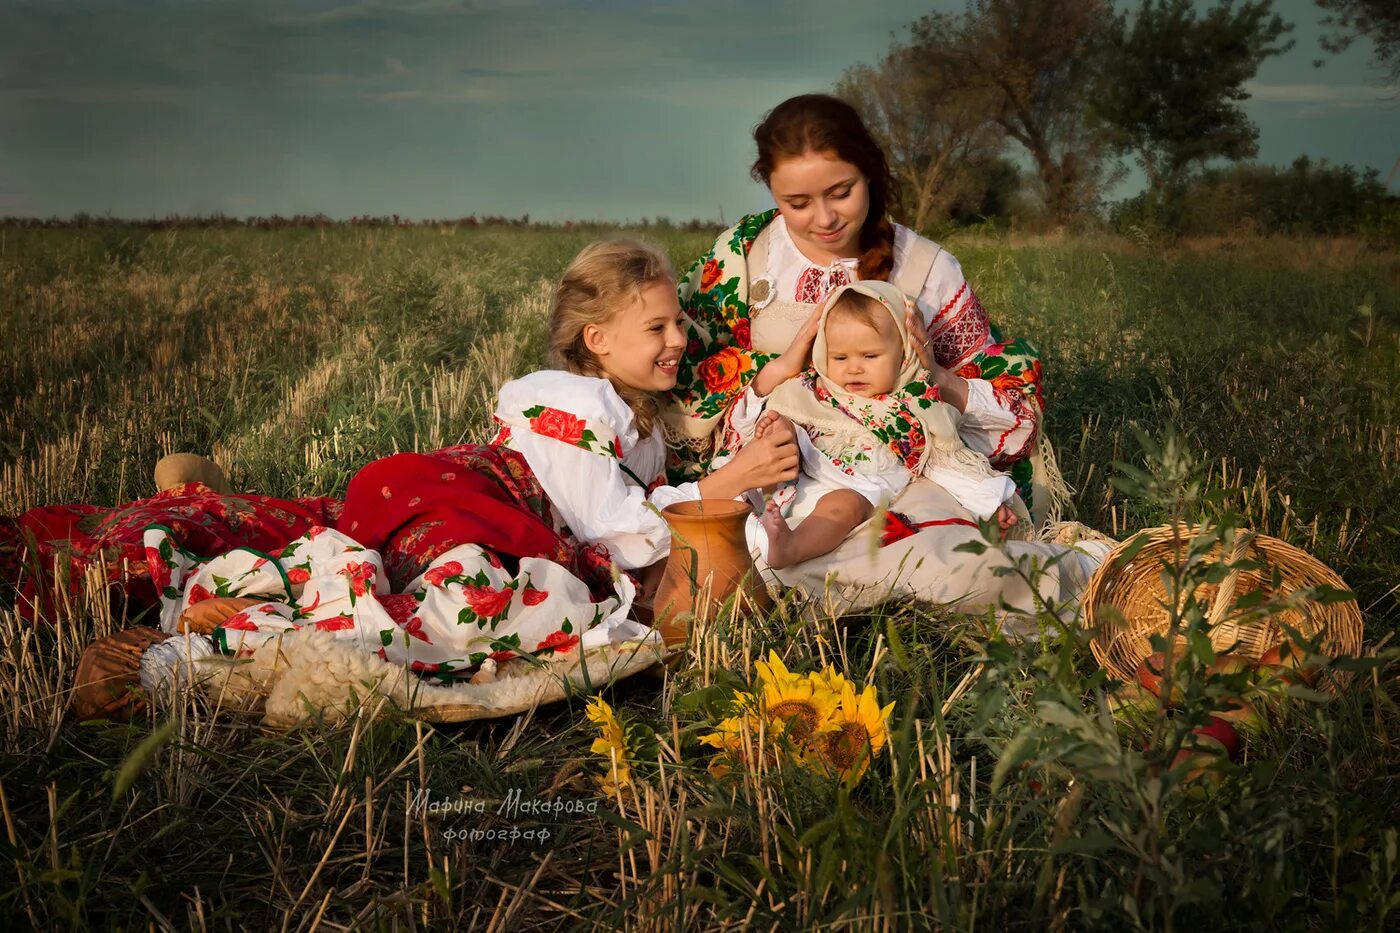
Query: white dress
{"x": 877, "y": 476}
{"x": 601, "y": 497}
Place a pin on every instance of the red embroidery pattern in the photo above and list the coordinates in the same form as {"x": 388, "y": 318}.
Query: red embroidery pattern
{"x": 1016, "y": 403}
{"x": 814, "y": 284}
{"x": 958, "y": 336}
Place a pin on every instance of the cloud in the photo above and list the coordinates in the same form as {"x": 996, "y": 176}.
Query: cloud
{"x": 98, "y": 94}
{"x": 468, "y": 94}
{"x": 373, "y": 9}
{"x": 1345, "y": 95}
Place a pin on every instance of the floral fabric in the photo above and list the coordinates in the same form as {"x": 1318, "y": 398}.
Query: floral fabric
{"x": 465, "y": 607}
{"x": 68, "y": 540}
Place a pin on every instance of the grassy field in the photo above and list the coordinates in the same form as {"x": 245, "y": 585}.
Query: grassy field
{"x": 297, "y": 355}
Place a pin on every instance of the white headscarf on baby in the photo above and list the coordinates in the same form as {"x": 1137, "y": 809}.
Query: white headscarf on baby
{"x": 842, "y": 424}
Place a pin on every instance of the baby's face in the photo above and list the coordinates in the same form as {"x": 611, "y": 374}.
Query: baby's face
{"x": 860, "y": 359}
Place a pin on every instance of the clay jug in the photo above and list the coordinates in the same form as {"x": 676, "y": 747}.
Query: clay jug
{"x": 709, "y": 562}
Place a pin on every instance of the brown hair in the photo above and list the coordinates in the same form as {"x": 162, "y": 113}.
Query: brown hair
{"x": 603, "y": 279}
{"x": 821, "y": 123}
{"x": 869, "y": 311}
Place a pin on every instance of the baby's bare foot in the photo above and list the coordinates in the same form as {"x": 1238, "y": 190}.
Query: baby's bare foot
{"x": 781, "y": 539}
{"x": 765, "y": 423}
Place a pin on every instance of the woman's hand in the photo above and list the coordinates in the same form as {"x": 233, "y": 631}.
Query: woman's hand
{"x": 796, "y": 358}
{"x": 765, "y": 461}
{"x": 952, "y": 388}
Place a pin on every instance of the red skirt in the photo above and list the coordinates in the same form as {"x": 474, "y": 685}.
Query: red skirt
{"x": 409, "y": 507}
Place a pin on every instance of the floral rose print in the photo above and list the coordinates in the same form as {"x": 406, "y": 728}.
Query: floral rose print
{"x": 240, "y": 622}
{"x": 560, "y": 425}
{"x": 438, "y": 576}
{"x": 557, "y": 642}
{"x": 722, "y": 372}
{"x": 742, "y": 334}
{"x": 487, "y": 602}
{"x": 336, "y": 624}
{"x": 709, "y": 275}
{"x": 360, "y": 576}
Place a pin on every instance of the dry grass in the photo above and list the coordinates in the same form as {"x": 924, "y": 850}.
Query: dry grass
{"x": 297, "y": 355}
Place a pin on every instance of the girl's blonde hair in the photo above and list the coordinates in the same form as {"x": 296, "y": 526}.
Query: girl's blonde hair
{"x": 602, "y": 280}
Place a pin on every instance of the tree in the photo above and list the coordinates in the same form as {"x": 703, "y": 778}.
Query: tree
{"x": 1035, "y": 61}
{"x": 1377, "y": 20}
{"x": 1172, "y": 80}
{"x": 932, "y": 131}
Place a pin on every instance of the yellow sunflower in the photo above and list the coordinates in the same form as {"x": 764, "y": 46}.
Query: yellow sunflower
{"x": 829, "y": 679}
{"x": 611, "y": 744}
{"x": 729, "y": 740}
{"x": 794, "y": 699}
{"x": 737, "y": 737}
{"x": 854, "y": 734}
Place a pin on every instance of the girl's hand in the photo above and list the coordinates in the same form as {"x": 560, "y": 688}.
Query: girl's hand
{"x": 790, "y": 364}
{"x": 764, "y": 461}
{"x": 952, "y": 388}
{"x": 1005, "y": 517}
{"x": 771, "y": 459}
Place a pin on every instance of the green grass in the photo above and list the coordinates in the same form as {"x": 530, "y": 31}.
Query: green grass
{"x": 294, "y": 356}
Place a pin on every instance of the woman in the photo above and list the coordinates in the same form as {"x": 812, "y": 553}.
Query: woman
{"x": 752, "y": 304}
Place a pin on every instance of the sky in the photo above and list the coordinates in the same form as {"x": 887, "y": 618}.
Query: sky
{"x": 603, "y": 109}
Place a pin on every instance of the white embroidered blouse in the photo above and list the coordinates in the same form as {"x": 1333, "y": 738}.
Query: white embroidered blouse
{"x": 603, "y": 479}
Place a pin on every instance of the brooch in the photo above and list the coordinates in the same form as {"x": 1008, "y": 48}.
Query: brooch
{"x": 761, "y": 292}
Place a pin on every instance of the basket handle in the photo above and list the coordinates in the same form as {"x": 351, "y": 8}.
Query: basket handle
{"x": 1225, "y": 595}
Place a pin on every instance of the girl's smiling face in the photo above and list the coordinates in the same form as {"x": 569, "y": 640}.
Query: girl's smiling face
{"x": 824, "y": 201}
{"x": 641, "y": 345}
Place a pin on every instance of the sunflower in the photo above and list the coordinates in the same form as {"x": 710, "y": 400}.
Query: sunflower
{"x": 611, "y": 743}
{"x": 729, "y": 740}
{"x": 794, "y": 699}
{"x": 854, "y": 734}
{"x": 737, "y": 737}
{"x": 828, "y": 679}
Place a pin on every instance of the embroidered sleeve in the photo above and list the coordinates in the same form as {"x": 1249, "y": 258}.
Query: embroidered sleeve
{"x": 1004, "y": 406}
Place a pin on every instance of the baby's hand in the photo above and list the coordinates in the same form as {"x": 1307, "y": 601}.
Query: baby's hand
{"x": 1005, "y": 517}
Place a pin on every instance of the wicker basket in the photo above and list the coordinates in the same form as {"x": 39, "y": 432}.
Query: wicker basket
{"x": 1136, "y": 590}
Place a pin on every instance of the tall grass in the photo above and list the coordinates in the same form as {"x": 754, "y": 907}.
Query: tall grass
{"x": 1019, "y": 790}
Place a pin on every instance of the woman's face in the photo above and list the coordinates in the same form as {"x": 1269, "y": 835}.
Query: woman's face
{"x": 641, "y": 345}
{"x": 824, "y": 201}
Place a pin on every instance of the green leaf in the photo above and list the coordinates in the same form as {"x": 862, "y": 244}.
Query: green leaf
{"x": 1021, "y": 748}
{"x": 1201, "y": 647}
{"x": 140, "y": 756}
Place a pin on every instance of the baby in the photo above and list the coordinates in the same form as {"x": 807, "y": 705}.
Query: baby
{"x": 871, "y": 420}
